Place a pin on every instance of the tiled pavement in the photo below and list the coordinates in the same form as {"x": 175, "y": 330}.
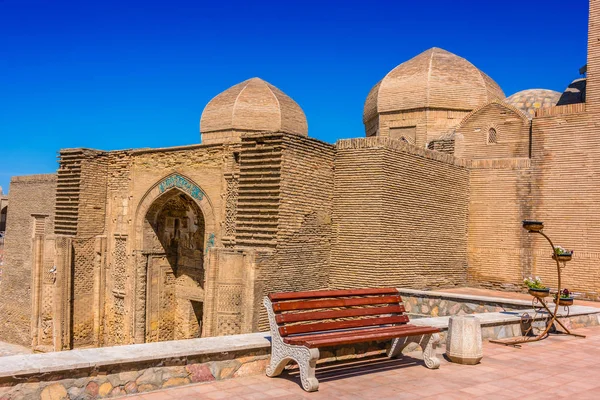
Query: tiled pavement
{"x": 558, "y": 367}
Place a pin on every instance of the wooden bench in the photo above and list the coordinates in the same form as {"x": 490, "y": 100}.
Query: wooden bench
{"x": 303, "y": 322}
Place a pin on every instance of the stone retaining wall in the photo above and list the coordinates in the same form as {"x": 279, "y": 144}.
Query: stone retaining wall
{"x": 500, "y": 318}
{"x": 420, "y": 304}
{"x": 509, "y": 330}
{"x": 119, "y": 380}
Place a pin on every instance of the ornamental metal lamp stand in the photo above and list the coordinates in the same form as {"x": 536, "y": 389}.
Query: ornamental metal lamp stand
{"x": 538, "y": 299}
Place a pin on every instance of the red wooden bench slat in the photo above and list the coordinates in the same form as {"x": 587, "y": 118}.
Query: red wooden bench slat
{"x": 327, "y": 326}
{"x": 398, "y": 330}
{"x": 314, "y": 294}
{"x": 342, "y": 333}
{"x": 312, "y": 304}
{"x": 358, "y": 338}
{"x": 349, "y": 312}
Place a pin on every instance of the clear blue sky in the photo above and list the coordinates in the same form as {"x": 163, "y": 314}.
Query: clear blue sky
{"x": 126, "y": 74}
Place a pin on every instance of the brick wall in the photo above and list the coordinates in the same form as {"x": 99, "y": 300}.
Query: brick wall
{"x": 34, "y": 194}
{"x": 92, "y": 198}
{"x": 593, "y": 58}
{"x": 300, "y": 260}
{"x": 67, "y": 191}
{"x": 565, "y": 193}
{"x": 440, "y": 122}
{"x": 557, "y": 186}
{"x": 560, "y": 110}
{"x": 259, "y": 190}
{"x": 416, "y": 118}
{"x": 81, "y": 192}
{"x": 511, "y": 131}
{"x": 430, "y": 123}
{"x": 499, "y": 201}
{"x": 399, "y": 216}
{"x": 82, "y": 186}
{"x": 442, "y": 145}
{"x": 306, "y": 183}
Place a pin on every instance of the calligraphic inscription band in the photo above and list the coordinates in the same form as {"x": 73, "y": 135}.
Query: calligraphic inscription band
{"x": 180, "y": 182}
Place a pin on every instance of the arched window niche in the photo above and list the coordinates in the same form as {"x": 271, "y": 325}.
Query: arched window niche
{"x": 492, "y": 136}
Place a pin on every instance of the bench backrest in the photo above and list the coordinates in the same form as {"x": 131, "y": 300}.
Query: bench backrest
{"x": 328, "y": 310}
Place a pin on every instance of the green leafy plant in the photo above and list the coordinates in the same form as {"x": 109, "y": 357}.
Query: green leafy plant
{"x": 559, "y": 251}
{"x": 534, "y": 283}
{"x": 565, "y": 294}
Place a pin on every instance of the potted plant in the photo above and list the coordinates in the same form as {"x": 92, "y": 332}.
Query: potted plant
{"x": 536, "y": 287}
{"x": 564, "y": 298}
{"x": 562, "y": 255}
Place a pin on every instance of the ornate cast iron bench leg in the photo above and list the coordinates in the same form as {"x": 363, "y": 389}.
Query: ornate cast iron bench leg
{"x": 282, "y": 353}
{"x": 426, "y": 342}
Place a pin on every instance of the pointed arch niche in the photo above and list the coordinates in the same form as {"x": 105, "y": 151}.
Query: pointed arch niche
{"x": 174, "y": 228}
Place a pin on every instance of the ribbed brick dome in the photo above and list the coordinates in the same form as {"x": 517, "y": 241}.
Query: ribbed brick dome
{"x": 530, "y": 100}
{"x": 253, "y": 105}
{"x": 435, "y": 78}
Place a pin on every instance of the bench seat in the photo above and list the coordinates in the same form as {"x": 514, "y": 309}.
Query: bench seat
{"x": 358, "y": 336}
{"x": 303, "y": 322}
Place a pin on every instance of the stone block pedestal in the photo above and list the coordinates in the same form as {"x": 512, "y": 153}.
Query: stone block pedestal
{"x": 463, "y": 342}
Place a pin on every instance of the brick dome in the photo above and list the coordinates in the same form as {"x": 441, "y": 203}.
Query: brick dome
{"x": 253, "y": 105}
{"x": 435, "y": 78}
{"x": 530, "y": 100}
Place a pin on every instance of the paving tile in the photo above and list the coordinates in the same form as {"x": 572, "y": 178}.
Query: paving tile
{"x": 278, "y": 392}
{"x": 378, "y": 393}
{"x": 203, "y": 388}
{"x": 588, "y": 384}
{"x": 450, "y": 396}
{"x": 189, "y": 396}
{"x": 219, "y": 394}
{"x": 255, "y": 396}
{"x": 162, "y": 394}
{"x": 228, "y": 384}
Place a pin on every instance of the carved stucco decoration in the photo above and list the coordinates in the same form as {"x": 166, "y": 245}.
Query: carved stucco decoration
{"x": 231, "y": 197}
{"x": 164, "y": 187}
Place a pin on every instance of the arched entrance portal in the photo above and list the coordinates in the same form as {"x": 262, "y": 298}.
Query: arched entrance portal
{"x": 174, "y": 231}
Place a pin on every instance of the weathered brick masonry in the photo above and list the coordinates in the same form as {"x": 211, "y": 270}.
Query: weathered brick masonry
{"x": 508, "y": 125}
{"x": 31, "y": 219}
{"x": 499, "y": 201}
{"x": 301, "y": 258}
{"x": 565, "y": 196}
{"x": 551, "y": 187}
{"x": 399, "y": 216}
